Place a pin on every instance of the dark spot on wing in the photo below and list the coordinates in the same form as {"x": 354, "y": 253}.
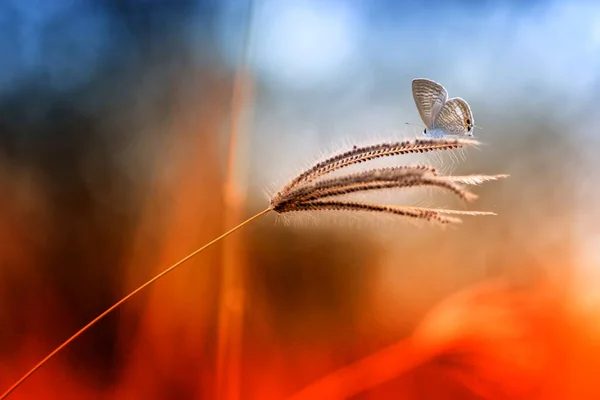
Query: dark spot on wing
{"x": 468, "y": 124}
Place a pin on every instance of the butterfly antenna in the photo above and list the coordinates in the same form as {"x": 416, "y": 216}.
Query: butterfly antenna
{"x": 417, "y": 125}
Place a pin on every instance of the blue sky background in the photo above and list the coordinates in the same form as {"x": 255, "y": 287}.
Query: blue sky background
{"x": 548, "y": 45}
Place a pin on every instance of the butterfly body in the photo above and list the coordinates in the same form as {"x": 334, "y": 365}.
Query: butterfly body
{"x": 441, "y": 116}
{"x": 434, "y": 133}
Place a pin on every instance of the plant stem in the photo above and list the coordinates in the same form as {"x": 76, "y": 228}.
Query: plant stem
{"x": 123, "y": 300}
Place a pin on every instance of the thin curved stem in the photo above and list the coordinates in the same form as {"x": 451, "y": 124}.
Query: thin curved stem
{"x": 123, "y": 300}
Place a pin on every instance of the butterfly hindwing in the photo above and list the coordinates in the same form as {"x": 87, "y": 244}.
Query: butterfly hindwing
{"x": 455, "y": 118}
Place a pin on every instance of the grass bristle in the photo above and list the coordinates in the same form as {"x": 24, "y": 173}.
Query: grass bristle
{"x": 425, "y": 214}
{"x": 367, "y": 153}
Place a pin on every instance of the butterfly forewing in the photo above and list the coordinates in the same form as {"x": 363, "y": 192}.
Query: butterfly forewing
{"x": 430, "y": 98}
{"x": 455, "y": 118}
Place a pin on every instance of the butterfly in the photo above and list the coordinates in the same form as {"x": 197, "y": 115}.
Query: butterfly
{"x": 442, "y": 116}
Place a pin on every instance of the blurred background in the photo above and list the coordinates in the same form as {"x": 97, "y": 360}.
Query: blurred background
{"x": 134, "y": 131}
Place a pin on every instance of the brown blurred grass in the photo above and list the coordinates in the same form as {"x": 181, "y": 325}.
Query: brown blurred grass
{"x": 232, "y": 291}
{"x": 318, "y": 300}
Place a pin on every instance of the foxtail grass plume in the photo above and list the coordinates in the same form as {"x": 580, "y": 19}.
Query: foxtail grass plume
{"x": 310, "y": 191}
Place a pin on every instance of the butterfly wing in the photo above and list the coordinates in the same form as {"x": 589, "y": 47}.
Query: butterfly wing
{"x": 430, "y": 98}
{"x": 455, "y": 118}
